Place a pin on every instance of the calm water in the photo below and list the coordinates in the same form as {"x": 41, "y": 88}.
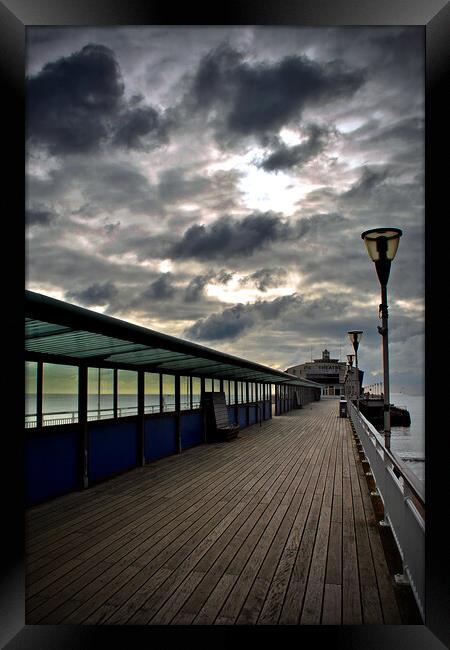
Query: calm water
{"x": 409, "y": 442}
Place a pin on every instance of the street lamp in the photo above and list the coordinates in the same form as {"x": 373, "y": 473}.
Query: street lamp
{"x": 350, "y": 365}
{"x": 382, "y": 245}
{"x": 355, "y": 337}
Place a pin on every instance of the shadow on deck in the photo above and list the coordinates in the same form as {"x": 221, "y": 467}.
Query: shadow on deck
{"x": 274, "y": 527}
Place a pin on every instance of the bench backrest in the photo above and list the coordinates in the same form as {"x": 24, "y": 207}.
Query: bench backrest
{"x": 219, "y": 408}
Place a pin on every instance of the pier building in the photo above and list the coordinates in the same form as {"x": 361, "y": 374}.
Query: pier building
{"x": 132, "y": 519}
{"x": 330, "y": 373}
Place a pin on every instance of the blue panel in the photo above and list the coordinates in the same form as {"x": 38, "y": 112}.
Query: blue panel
{"x": 160, "y": 437}
{"x": 112, "y": 449}
{"x": 242, "y": 416}
{"x": 51, "y": 466}
{"x": 232, "y": 415}
{"x": 252, "y": 414}
{"x": 191, "y": 429}
{"x": 266, "y": 410}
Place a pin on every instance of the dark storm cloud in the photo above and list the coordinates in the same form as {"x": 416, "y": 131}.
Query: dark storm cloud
{"x": 39, "y": 217}
{"x": 195, "y": 290}
{"x": 141, "y": 128}
{"x": 237, "y": 320}
{"x": 95, "y": 294}
{"x": 263, "y": 279}
{"x": 370, "y": 179}
{"x": 161, "y": 289}
{"x": 76, "y": 103}
{"x": 228, "y": 237}
{"x": 258, "y": 99}
{"x": 285, "y": 157}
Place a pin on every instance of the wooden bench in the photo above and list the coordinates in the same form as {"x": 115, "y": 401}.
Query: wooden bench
{"x": 218, "y": 426}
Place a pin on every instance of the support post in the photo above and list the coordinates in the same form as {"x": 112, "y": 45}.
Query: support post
{"x": 141, "y": 425}
{"x": 383, "y": 330}
{"x": 177, "y": 413}
{"x": 83, "y": 424}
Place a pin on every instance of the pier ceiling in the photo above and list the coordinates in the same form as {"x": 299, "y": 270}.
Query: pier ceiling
{"x": 59, "y": 331}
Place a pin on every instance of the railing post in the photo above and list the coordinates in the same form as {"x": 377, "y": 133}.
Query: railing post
{"x": 141, "y": 423}
{"x": 39, "y": 388}
{"x": 83, "y": 426}
{"x": 177, "y": 413}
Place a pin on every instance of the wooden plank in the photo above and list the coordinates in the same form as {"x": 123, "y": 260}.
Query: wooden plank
{"x": 81, "y": 558}
{"x": 332, "y": 605}
{"x": 370, "y": 601}
{"x": 276, "y": 527}
{"x": 351, "y": 595}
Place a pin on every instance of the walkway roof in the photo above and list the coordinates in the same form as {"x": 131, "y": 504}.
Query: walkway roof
{"x": 59, "y": 331}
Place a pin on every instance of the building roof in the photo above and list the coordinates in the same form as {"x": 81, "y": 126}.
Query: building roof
{"x": 59, "y": 331}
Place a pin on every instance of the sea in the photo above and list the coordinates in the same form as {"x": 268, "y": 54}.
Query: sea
{"x": 409, "y": 442}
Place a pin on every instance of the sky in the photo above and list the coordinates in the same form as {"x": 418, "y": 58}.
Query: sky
{"x": 212, "y": 183}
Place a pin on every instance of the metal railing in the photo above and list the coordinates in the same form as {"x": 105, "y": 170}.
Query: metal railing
{"x": 403, "y": 499}
{"x": 71, "y": 417}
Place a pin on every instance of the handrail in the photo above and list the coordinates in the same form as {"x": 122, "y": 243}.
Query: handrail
{"x": 410, "y": 479}
{"x": 72, "y": 416}
{"x": 403, "y": 499}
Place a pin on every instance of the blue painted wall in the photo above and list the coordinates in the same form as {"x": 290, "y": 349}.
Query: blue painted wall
{"x": 160, "y": 438}
{"x": 252, "y": 414}
{"x": 242, "y": 416}
{"x": 191, "y": 426}
{"x": 232, "y": 415}
{"x": 113, "y": 448}
{"x": 267, "y": 411}
{"x": 51, "y": 465}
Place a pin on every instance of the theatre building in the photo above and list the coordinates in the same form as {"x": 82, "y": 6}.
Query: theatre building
{"x": 328, "y": 372}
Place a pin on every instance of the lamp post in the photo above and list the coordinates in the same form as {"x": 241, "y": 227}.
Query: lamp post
{"x": 355, "y": 337}
{"x": 350, "y": 365}
{"x": 382, "y": 245}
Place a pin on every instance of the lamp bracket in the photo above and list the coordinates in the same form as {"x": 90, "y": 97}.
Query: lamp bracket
{"x": 383, "y": 311}
{"x": 382, "y": 330}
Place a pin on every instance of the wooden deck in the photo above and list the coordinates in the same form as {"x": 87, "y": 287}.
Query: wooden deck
{"x": 274, "y": 527}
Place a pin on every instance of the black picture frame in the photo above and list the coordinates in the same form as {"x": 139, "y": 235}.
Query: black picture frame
{"x": 15, "y": 16}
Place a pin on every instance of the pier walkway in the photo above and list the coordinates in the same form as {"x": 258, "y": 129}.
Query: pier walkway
{"x": 274, "y": 527}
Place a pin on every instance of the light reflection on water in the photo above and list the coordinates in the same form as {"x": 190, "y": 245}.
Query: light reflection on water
{"x": 409, "y": 442}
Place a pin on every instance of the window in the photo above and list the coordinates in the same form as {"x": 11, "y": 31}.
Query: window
{"x": 185, "y": 393}
{"x": 208, "y": 385}
{"x": 168, "y": 393}
{"x": 127, "y": 393}
{"x": 216, "y": 385}
{"x": 30, "y": 394}
{"x": 151, "y": 393}
{"x": 100, "y": 403}
{"x": 226, "y": 390}
{"x": 196, "y": 392}
{"x": 59, "y": 394}
{"x": 232, "y": 396}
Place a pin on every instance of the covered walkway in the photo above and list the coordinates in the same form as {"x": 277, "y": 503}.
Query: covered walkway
{"x": 274, "y": 527}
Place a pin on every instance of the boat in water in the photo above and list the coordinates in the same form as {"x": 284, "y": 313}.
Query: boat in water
{"x": 373, "y": 409}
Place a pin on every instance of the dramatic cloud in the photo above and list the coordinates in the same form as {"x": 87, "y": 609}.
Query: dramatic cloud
{"x": 38, "y": 217}
{"x": 195, "y": 291}
{"x": 213, "y": 182}
{"x": 77, "y": 103}
{"x": 243, "y": 98}
{"x": 369, "y": 181}
{"x": 286, "y": 157}
{"x": 96, "y": 294}
{"x": 263, "y": 279}
{"x": 228, "y": 237}
{"x": 234, "y": 321}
